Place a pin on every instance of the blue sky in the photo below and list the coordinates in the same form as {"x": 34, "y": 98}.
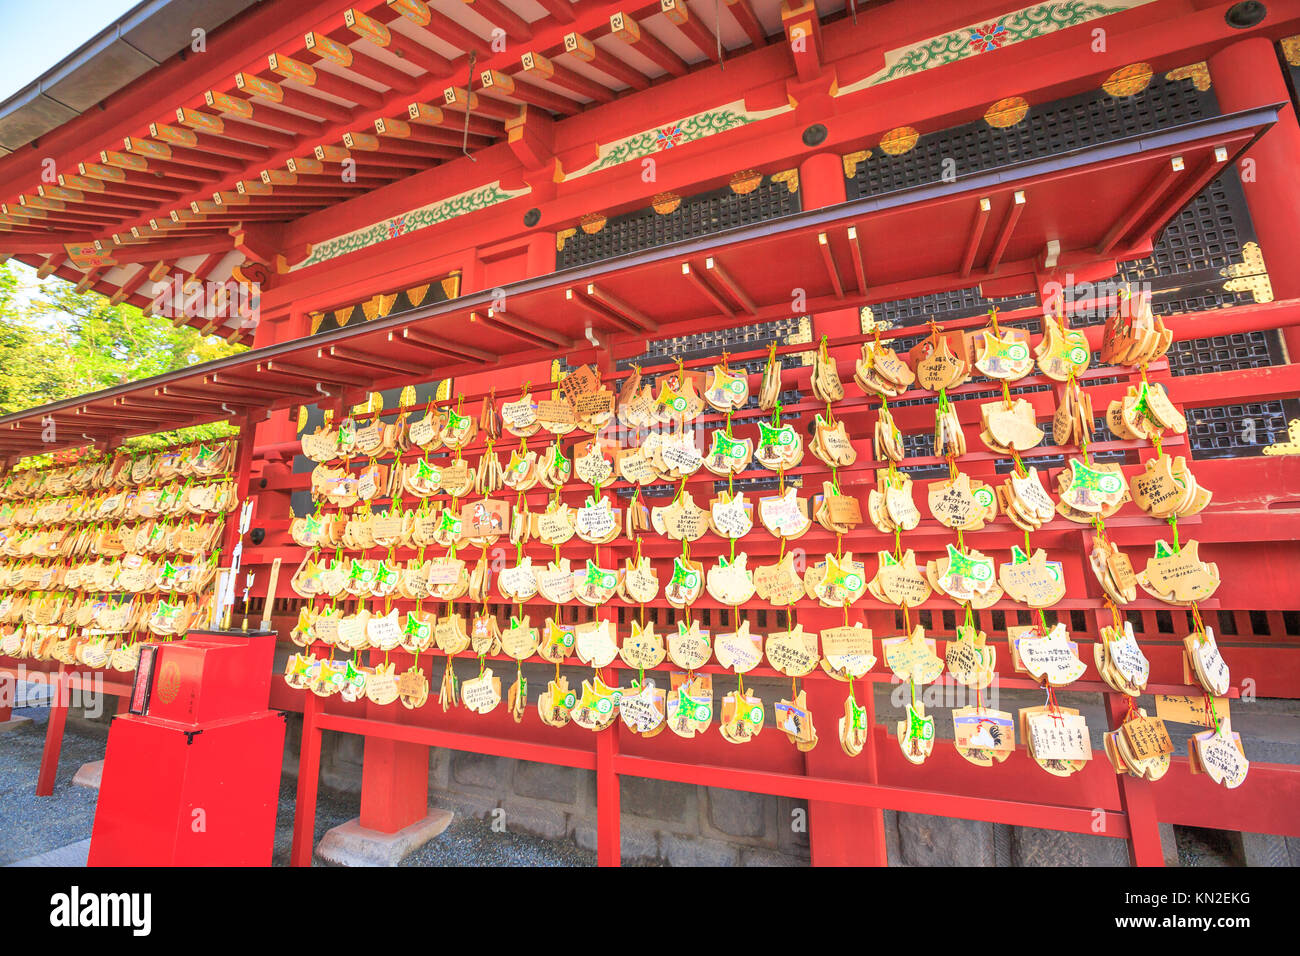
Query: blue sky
{"x": 38, "y": 34}
{"x": 36, "y": 37}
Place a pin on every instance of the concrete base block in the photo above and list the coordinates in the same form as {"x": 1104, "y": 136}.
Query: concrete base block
{"x": 89, "y": 774}
{"x": 14, "y": 723}
{"x": 74, "y": 854}
{"x": 353, "y": 845}
{"x": 1261, "y": 849}
{"x": 1169, "y": 844}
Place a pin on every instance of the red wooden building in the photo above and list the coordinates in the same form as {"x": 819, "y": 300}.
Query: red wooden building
{"x": 472, "y": 195}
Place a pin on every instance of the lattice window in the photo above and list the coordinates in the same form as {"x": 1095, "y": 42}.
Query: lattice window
{"x": 1049, "y": 129}
{"x": 698, "y": 215}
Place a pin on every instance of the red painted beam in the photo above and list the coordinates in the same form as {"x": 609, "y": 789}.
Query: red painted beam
{"x": 935, "y": 803}
{"x": 1014, "y": 212}
{"x": 499, "y": 15}
{"x": 521, "y": 91}
{"x": 744, "y": 14}
{"x": 623, "y": 26}
{"x": 679, "y": 15}
{"x": 452, "y": 740}
{"x": 583, "y": 49}
{"x": 539, "y": 67}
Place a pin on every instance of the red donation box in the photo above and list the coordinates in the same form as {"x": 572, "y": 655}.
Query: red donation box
{"x": 192, "y": 773}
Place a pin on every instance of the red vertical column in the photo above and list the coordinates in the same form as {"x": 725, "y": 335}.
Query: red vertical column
{"x": 304, "y": 816}
{"x": 1138, "y": 801}
{"x": 839, "y": 835}
{"x": 394, "y": 781}
{"x": 609, "y": 840}
{"x": 1247, "y": 75}
{"x": 59, "y": 686}
{"x": 395, "y": 774}
{"x": 281, "y": 426}
{"x": 609, "y": 837}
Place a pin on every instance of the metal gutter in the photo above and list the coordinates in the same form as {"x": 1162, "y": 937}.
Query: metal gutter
{"x": 144, "y": 37}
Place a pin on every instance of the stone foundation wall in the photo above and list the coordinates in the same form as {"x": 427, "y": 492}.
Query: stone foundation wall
{"x": 682, "y": 825}
{"x": 674, "y": 824}
{"x": 678, "y": 824}
{"x": 666, "y": 823}
{"x": 662, "y": 822}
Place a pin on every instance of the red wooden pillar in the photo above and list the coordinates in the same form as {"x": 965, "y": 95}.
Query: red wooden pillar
{"x": 395, "y": 774}
{"x": 1246, "y": 75}
{"x": 304, "y": 816}
{"x": 839, "y": 835}
{"x": 609, "y": 836}
{"x": 394, "y": 783}
{"x": 609, "y": 841}
{"x": 1138, "y": 802}
{"x": 58, "y": 683}
{"x": 279, "y": 426}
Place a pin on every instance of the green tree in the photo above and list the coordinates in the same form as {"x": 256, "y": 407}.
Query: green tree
{"x": 56, "y": 343}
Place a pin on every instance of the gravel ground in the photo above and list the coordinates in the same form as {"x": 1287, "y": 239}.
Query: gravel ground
{"x": 1201, "y": 847}
{"x": 466, "y": 842}
{"x": 34, "y": 825}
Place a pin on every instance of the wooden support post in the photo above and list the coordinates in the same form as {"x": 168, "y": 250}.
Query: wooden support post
{"x": 1247, "y": 74}
{"x": 609, "y": 841}
{"x": 839, "y": 834}
{"x": 304, "y": 814}
{"x": 1138, "y": 801}
{"x": 394, "y": 784}
{"x": 53, "y": 733}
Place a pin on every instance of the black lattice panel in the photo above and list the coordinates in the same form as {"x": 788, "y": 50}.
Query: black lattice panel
{"x": 1179, "y": 300}
{"x": 698, "y": 215}
{"x": 1224, "y": 353}
{"x": 1205, "y": 237}
{"x": 1048, "y": 129}
{"x": 715, "y": 341}
{"x": 1234, "y": 431}
{"x": 957, "y": 304}
{"x": 1292, "y": 74}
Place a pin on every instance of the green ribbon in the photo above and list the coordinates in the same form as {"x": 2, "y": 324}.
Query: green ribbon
{"x": 558, "y": 461}
{"x": 857, "y": 716}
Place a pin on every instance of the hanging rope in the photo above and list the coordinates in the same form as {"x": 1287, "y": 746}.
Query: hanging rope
{"x": 469, "y": 83}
